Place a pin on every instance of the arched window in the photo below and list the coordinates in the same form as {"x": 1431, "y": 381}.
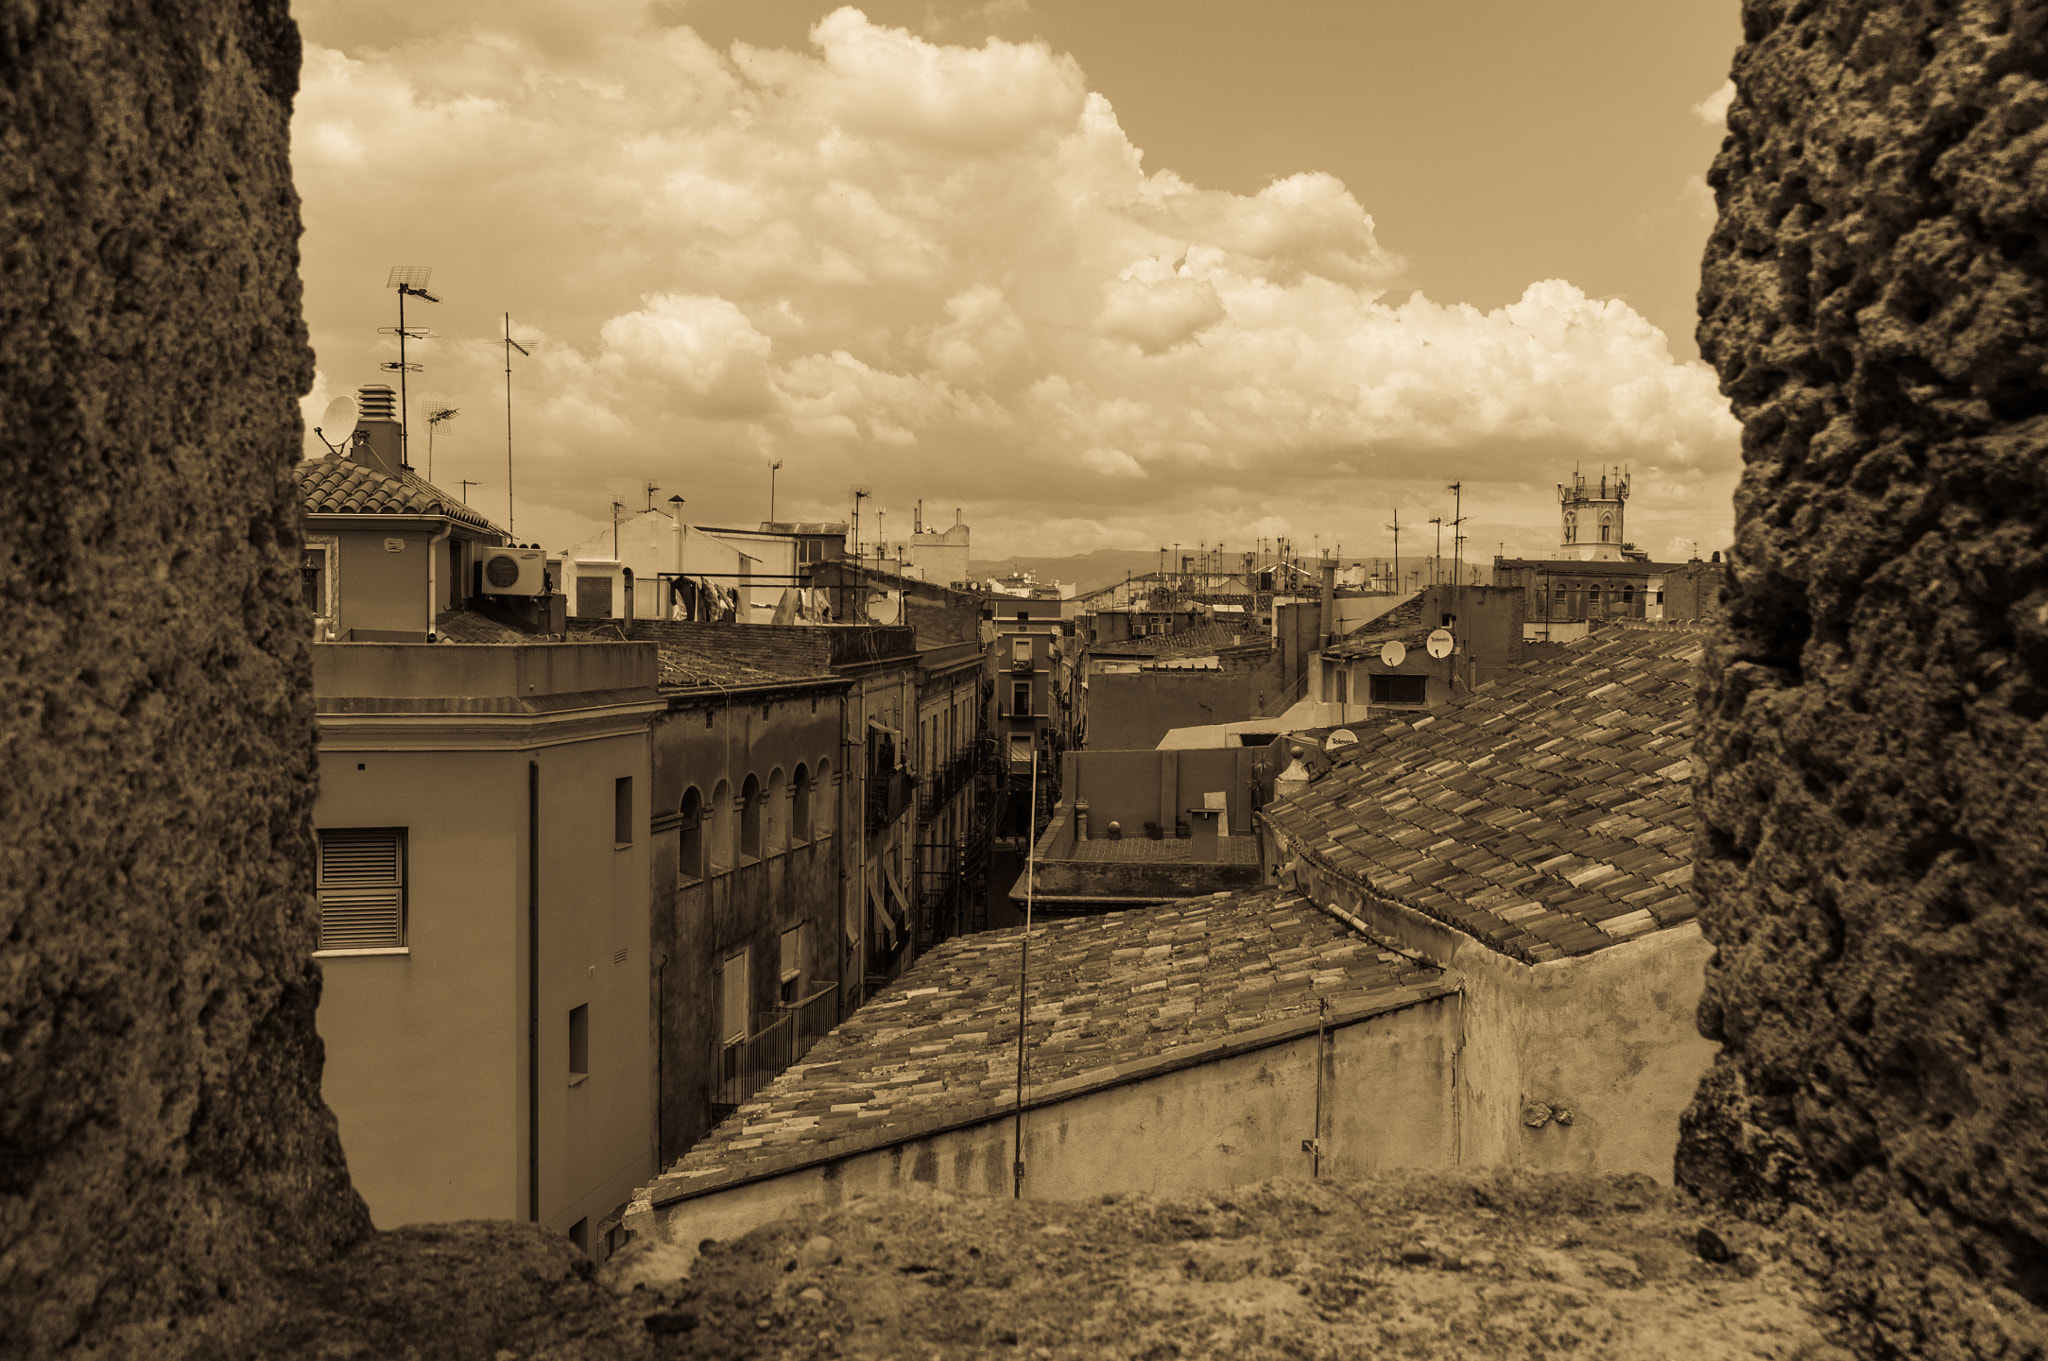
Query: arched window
{"x": 824, "y": 813}
{"x": 800, "y": 804}
{"x": 690, "y": 851}
{"x": 718, "y": 836}
{"x": 775, "y": 814}
{"x": 750, "y": 820}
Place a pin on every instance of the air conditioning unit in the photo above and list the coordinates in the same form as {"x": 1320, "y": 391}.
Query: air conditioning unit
{"x": 512, "y": 571}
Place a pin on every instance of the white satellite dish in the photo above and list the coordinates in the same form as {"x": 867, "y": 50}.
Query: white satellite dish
{"x": 340, "y": 417}
{"x": 1393, "y": 654}
{"x": 1344, "y": 737}
{"x": 1440, "y": 643}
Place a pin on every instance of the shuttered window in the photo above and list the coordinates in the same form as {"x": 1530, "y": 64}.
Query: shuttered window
{"x": 732, "y": 1000}
{"x": 362, "y": 888}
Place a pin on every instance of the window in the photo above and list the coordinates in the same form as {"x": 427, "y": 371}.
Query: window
{"x": 1603, "y": 533}
{"x": 1020, "y": 699}
{"x": 690, "y": 845}
{"x": 361, "y": 887}
{"x": 750, "y": 819}
{"x": 622, "y": 811}
{"x": 1020, "y": 748}
{"x": 1020, "y": 650}
{"x": 791, "y": 974}
{"x": 579, "y": 1043}
{"x": 313, "y": 573}
{"x": 825, "y": 811}
{"x": 1399, "y": 689}
{"x": 732, "y": 999}
{"x": 775, "y": 814}
{"x": 718, "y": 836}
{"x": 800, "y": 804}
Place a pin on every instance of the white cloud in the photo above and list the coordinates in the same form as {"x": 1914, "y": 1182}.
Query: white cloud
{"x": 1713, "y": 110}
{"x": 939, "y": 269}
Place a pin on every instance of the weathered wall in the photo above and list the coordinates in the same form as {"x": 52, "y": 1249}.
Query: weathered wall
{"x": 1386, "y": 1107}
{"x": 1871, "y": 856}
{"x": 160, "y": 1117}
{"x": 1134, "y": 710}
{"x": 701, "y": 919}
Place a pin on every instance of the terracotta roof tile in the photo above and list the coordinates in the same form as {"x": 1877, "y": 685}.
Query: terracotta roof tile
{"x": 341, "y": 486}
{"x": 1537, "y": 812}
{"x": 1107, "y": 992}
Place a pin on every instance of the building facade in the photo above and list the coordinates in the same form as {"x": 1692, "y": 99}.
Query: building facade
{"x": 483, "y": 823}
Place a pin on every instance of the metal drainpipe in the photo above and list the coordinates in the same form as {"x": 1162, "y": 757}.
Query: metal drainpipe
{"x": 433, "y": 576}
{"x": 533, "y": 991}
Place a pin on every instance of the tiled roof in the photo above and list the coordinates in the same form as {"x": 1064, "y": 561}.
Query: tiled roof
{"x": 1109, "y": 995}
{"x": 1404, "y": 623}
{"x": 1205, "y": 637}
{"x": 1143, "y": 850}
{"x": 467, "y": 626}
{"x": 1547, "y": 814}
{"x": 710, "y": 656}
{"x": 341, "y": 486}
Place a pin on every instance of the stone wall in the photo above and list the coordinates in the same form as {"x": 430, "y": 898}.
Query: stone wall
{"x": 160, "y": 1117}
{"x": 1872, "y": 856}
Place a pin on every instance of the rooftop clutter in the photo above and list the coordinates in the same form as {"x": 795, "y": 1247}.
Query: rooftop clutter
{"x": 1548, "y": 814}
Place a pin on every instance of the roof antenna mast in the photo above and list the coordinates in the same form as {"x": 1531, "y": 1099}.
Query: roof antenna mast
{"x": 510, "y": 345}
{"x": 410, "y": 281}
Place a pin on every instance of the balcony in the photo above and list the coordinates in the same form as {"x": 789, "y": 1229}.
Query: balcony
{"x": 783, "y": 1037}
{"x": 889, "y": 797}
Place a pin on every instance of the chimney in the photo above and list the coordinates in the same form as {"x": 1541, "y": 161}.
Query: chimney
{"x": 1329, "y": 620}
{"x": 377, "y": 439}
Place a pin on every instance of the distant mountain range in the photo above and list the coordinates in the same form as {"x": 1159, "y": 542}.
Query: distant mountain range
{"x": 1088, "y": 571}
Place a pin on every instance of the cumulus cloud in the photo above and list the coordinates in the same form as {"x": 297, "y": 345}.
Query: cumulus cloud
{"x": 943, "y": 270}
{"x": 1713, "y": 110}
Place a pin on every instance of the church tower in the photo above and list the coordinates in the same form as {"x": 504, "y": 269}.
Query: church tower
{"x": 1592, "y": 516}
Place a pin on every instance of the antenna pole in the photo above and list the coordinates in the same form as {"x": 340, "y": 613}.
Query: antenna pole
{"x": 1024, "y": 974}
{"x": 404, "y": 410}
{"x": 510, "y": 345}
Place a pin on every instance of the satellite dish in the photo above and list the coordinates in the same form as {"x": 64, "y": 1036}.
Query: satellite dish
{"x": 340, "y": 417}
{"x": 1440, "y": 644}
{"x": 1393, "y": 654}
{"x": 1344, "y": 737}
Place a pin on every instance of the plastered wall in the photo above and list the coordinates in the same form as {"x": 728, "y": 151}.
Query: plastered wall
{"x": 1386, "y": 1106}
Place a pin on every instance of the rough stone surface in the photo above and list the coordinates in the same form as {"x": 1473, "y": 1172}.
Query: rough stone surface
{"x": 160, "y": 1118}
{"x": 1493, "y": 1266}
{"x": 1873, "y": 854}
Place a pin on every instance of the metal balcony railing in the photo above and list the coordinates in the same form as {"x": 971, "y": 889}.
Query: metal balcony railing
{"x": 781, "y": 1038}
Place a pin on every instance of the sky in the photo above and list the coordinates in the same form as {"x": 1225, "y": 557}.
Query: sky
{"x": 1085, "y": 275}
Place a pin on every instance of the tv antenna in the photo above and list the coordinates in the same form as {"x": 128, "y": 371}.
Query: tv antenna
{"x": 1396, "y": 527}
{"x": 466, "y": 485}
{"x": 651, "y": 489}
{"x": 1439, "y": 523}
{"x": 1457, "y": 490}
{"x": 341, "y": 414}
{"x": 411, "y": 282}
{"x": 773, "y": 465}
{"x": 860, "y": 491}
{"x": 510, "y": 345}
{"x": 434, "y": 418}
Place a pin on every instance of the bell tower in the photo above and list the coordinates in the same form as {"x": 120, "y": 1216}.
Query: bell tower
{"x": 1591, "y": 512}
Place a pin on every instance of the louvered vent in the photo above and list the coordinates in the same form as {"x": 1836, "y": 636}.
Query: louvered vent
{"x": 362, "y": 889}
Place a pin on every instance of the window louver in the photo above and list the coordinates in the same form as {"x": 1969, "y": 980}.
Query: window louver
{"x": 362, "y": 889}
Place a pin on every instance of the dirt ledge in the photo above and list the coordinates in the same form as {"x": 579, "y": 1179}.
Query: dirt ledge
{"x": 1486, "y": 1265}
